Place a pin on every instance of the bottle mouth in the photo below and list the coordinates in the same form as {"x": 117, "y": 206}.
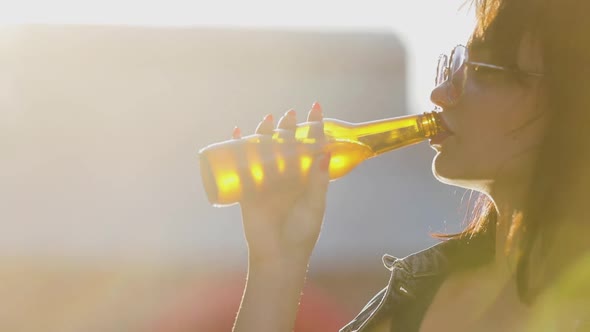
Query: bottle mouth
{"x": 433, "y": 124}
{"x": 441, "y": 125}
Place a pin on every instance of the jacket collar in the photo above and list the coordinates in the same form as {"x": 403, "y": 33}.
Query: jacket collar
{"x": 443, "y": 257}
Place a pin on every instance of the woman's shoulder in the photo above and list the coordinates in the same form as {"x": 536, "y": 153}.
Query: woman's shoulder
{"x": 414, "y": 280}
{"x": 445, "y": 256}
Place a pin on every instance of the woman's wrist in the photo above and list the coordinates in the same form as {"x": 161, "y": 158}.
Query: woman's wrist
{"x": 278, "y": 265}
{"x": 272, "y": 295}
{"x": 279, "y": 259}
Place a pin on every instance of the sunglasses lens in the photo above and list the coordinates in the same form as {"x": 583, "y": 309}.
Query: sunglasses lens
{"x": 457, "y": 59}
{"x": 447, "y": 67}
{"x": 442, "y": 70}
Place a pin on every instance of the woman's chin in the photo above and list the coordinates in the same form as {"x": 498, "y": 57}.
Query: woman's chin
{"x": 457, "y": 175}
{"x": 448, "y": 172}
{"x": 442, "y": 169}
{"x": 443, "y": 177}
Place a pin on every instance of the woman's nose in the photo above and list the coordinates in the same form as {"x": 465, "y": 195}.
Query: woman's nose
{"x": 444, "y": 95}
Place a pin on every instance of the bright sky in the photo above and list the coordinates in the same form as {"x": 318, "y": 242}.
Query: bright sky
{"x": 427, "y": 27}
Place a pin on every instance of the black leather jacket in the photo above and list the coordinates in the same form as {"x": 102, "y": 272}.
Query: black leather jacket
{"x": 414, "y": 281}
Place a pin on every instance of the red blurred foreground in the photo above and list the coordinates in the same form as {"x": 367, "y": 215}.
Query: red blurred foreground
{"x": 213, "y": 308}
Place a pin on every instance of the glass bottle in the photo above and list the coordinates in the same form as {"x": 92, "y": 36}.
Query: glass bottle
{"x": 238, "y": 167}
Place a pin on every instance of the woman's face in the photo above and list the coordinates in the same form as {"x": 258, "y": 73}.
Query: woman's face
{"x": 497, "y": 121}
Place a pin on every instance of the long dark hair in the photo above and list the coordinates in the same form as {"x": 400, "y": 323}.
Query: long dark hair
{"x": 562, "y": 171}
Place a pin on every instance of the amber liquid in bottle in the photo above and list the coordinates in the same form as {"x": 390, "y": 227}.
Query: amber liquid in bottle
{"x": 239, "y": 167}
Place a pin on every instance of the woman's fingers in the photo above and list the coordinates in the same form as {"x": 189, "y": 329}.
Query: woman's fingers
{"x": 237, "y": 133}
{"x": 288, "y": 165}
{"x": 288, "y": 121}
{"x": 266, "y": 126}
{"x": 315, "y": 114}
{"x": 319, "y": 178}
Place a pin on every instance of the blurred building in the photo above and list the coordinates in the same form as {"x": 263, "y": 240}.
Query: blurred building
{"x": 106, "y": 226}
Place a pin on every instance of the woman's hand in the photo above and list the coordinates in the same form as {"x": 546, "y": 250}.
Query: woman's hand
{"x": 282, "y": 223}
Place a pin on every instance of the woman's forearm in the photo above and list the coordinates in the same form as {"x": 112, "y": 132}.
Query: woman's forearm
{"x": 271, "y": 297}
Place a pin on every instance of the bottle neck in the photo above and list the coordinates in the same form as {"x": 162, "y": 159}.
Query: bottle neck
{"x": 431, "y": 124}
{"x": 390, "y": 134}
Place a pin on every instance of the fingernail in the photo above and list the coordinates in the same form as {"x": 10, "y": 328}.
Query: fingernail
{"x": 237, "y": 132}
{"x": 268, "y": 117}
{"x": 316, "y": 110}
{"x": 325, "y": 162}
{"x": 291, "y": 112}
{"x": 316, "y": 107}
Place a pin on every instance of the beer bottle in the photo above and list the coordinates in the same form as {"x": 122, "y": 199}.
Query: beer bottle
{"x": 238, "y": 167}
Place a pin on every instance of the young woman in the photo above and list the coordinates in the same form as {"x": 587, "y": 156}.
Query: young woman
{"x": 516, "y": 102}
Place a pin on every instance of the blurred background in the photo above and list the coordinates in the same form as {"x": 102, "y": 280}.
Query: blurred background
{"x": 104, "y": 105}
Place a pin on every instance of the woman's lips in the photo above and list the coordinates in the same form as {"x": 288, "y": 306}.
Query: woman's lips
{"x": 440, "y": 137}
{"x": 444, "y": 124}
{"x": 446, "y": 132}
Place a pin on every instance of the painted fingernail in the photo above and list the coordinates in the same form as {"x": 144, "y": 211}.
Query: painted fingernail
{"x": 291, "y": 113}
{"x": 268, "y": 117}
{"x": 237, "y": 133}
{"x": 316, "y": 107}
{"x": 315, "y": 112}
{"x": 325, "y": 162}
